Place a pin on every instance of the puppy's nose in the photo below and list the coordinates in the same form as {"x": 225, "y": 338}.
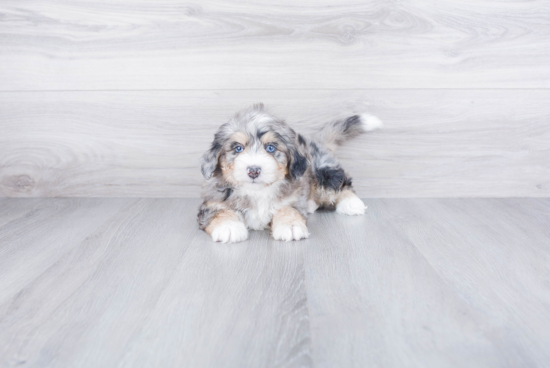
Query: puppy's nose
{"x": 254, "y": 171}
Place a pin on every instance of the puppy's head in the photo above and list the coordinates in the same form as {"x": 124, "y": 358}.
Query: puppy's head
{"x": 254, "y": 149}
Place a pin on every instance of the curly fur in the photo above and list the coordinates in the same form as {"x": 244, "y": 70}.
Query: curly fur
{"x": 300, "y": 175}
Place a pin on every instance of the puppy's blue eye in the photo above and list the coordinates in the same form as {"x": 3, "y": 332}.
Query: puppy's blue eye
{"x": 270, "y": 148}
{"x": 239, "y": 149}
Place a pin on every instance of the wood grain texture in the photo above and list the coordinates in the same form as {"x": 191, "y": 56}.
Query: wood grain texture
{"x": 111, "y": 45}
{"x": 140, "y": 286}
{"x": 431, "y": 283}
{"x": 435, "y": 143}
{"x": 415, "y": 282}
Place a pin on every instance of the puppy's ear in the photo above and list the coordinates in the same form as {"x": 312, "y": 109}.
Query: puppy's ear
{"x": 209, "y": 160}
{"x": 298, "y": 162}
{"x": 298, "y": 165}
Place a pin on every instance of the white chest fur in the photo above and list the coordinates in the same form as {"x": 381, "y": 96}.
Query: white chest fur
{"x": 264, "y": 203}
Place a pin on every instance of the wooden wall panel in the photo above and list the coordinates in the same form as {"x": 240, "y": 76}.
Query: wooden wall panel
{"x": 435, "y": 143}
{"x": 215, "y": 44}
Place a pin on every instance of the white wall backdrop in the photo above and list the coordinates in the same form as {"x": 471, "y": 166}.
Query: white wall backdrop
{"x": 120, "y": 98}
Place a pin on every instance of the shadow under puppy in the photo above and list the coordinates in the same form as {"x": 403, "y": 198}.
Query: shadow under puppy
{"x": 260, "y": 173}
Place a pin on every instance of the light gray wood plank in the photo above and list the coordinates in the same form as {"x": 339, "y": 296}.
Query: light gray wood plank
{"x": 146, "y": 288}
{"x": 431, "y": 283}
{"x": 375, "y": 301}
{"x": 56, "y": 225}
{"x": 491, "y": 254}
{"x": 238, "y": 305}
{"x": 99, "y": 45}
{"x": 13, "y": 210}
{"x": 107, "y": 282}
{"x": 435, "y": 143}
{"x": 416, "y": 282}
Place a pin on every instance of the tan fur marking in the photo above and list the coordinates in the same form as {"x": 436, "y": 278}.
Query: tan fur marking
{"x": 287, "y": 216}
{"x": 324, "y": 197}
{"x": 282, "y": 170}
{"x": 346, "y": 193}
{"x": 329, "y": 198}
{"x": 227, "y": 169}
{"x": 215, "y": 205}
{"x": 312, "y": 190}
{"x": 269, "y": 137}
{"x": 219, "y": 218}
{"x": 240, "y": 137}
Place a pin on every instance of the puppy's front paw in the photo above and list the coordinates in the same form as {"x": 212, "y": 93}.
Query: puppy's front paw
{"x": 230, "y": 232}
{"x": 351, "y": 206}
{"x": 290, "y": 231}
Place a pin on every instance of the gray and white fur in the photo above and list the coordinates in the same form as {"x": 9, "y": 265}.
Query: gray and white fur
{"x": 260, "y": 173}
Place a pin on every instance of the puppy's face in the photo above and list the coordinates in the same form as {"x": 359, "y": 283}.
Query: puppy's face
{"x": 256, "y": 160}
{"x": 254, "y": 149}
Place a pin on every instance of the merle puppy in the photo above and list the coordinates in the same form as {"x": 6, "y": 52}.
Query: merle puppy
{"x": 260, "y": 173}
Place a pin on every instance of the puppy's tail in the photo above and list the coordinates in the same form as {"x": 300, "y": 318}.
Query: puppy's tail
{"x": 338, "y": 132}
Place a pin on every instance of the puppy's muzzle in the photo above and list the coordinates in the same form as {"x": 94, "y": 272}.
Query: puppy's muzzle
{"x": 254, "y": 171}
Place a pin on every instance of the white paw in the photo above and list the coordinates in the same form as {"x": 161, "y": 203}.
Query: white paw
{"x": 311, "y": 206}
{"x": 230, "y": 232}
{"x": 370, "y": 122}
{"x": 351, "y": 206}
{"x": 288, "y": 232}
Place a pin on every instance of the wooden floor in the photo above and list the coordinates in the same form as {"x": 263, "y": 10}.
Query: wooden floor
{"x": 415, "y": 282}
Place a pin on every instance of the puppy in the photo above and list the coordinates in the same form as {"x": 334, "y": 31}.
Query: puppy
{"x": 260, "y": 173}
